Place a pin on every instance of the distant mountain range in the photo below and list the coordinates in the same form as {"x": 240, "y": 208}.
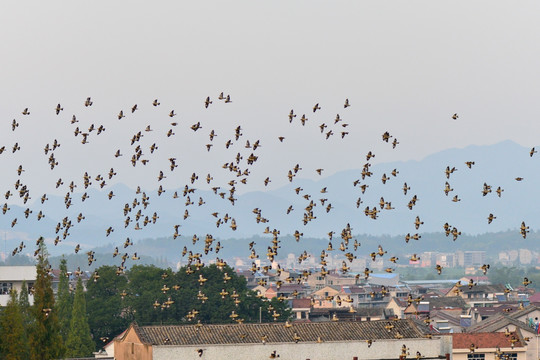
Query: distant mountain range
{"x": 496, "y": 165}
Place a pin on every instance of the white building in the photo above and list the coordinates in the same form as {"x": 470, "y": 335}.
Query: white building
{"x": 12, "y": 277}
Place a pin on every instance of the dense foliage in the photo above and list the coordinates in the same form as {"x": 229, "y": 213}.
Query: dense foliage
{"x": 151, "y": 295}
{"x": 79, "y": 341}
{"x": 64, "y": 301}
{"x": 103, "y": 303}
{"x": 13, "y": 341}
{"x": 45, "y": 339}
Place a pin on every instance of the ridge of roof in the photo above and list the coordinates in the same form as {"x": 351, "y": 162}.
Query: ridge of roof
{"x": 185, "y": 335}
{"x": 497, "y": 321}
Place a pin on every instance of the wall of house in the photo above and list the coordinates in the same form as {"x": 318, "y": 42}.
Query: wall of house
{"x": 382, "y": 349}
{"x": 461, "y": 354}
{"x": 533, "y": 314}
{"x": 396, "y": 309}
{"x": 533, "y": 349}
{"x": 16, "y": 285}
{"x": 131, "y": 348}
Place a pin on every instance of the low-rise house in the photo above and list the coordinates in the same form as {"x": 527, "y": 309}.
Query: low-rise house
{"x": 529, "y": 314}
{"x": 396, "y": 307}
{"x": 337, "y": 279}
{"x": 400, "y": 291}
{"x": 446, "y": 321}
{"x": 334, "y": 340}
{"x": 525, "y": 321}
{"x": 480, "y": 295}
{"x": 327, "y": 294}
{"x": 366, "y": 296}
{"x": 535, "y": 298}
{"x": 479, "y": 314}
{"x": 371, "y": 314}
{"x": 422, "y": 287}
{"x": 488, "y": 345}
{"x": 12, "y": 277}
{"x": 271, "y": 292}
{"x": 316, "y": 281}
{"x": 323, "y": 314}
{"x": 424, "y": 308}
{"x": 292, "y": 291}
{"x": 301, "y": 308}
{"x": 253, "y": 279}
{"x": 450, "y": 302}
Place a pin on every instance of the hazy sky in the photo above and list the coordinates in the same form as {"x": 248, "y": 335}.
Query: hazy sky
{"x": 406, "y": 67}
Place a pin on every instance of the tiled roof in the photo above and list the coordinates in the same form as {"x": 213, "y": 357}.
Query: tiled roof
{"x": 275, "y": 332}
{"x": 333, "y": 287}
{"x": 327, "y": 311}
{"x": 535, "y": 297}
{"x": 525, "y": 311}
{"x": 492, "y": 310}
{"x": 301, "y": 303}
{"x": 496, "y": 322}
{"x": 285, "y": 288}
{"x": 445, "y": 302}
{"x": 485, "y": 340}
{"x": 352, "y": 289}
{"x": 452, "y": 318}
{"x": 401, "y": 302}
{"x": 488, "y": 289}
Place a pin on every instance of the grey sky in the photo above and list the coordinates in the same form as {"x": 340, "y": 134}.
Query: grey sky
{"x": 406, "y": 67}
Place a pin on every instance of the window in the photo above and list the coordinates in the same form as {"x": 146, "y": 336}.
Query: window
{"x": 476, "y": 356}
{"x": 509, "y": 356}
{"x": 5, "y": 288}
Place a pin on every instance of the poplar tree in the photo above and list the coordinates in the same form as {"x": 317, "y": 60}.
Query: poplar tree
{"x": 64, "y": 302}
{"x": 79, "y": 342}
{"x": 45, "y": 339}
{"x": 26, "y": 309}
{"x": 13, "y": 344}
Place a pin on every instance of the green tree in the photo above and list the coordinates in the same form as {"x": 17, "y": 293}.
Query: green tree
{"x": 13, "y": 344}
{"x": 45, "y": 339}
{"x": 158, "y": 296}
{"x": 65, "y": 301}
{"x": 506, "y": 275}
{"x": 26, "y": 309}
{"x": 145, "y": 288}
{"x": 79, "y": 342}
{"x": 104, "y": 301}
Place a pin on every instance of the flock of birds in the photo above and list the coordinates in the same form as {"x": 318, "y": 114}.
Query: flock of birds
{"x": 238, "y": 169}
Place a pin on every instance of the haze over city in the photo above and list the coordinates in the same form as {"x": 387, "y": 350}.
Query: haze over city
{"x": 298, "y": 179}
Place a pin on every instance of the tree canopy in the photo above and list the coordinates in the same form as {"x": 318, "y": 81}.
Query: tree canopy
{"x": 79, "y": 341}
{"x": 152, "y": 295}
{"x": 64, "y": 300}
{"x": 45, "y": 339}
{"x": 13, "y": 340}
